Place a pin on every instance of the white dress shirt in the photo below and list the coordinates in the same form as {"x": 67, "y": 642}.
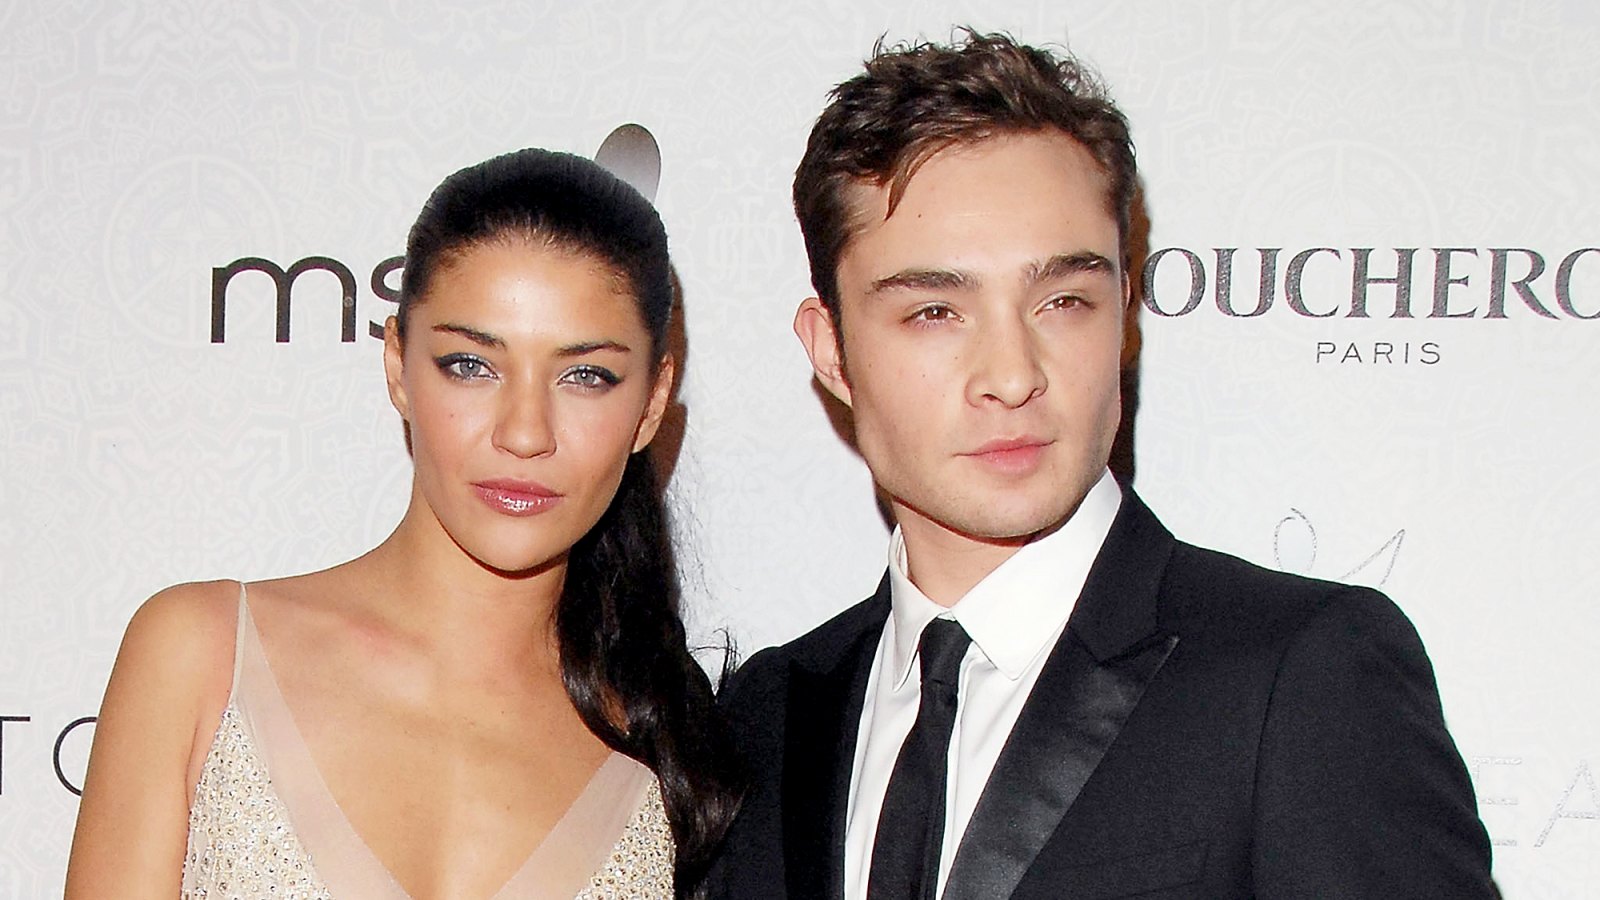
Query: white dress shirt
{"x": 1014, "y": 616}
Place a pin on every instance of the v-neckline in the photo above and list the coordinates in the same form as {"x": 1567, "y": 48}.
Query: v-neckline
{"x": 558, "y": 868}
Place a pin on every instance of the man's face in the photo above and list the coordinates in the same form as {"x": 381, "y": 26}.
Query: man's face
{"x": 982, "y": 336}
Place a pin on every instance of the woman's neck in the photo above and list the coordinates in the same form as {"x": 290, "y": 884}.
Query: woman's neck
{"x": 466, "y": 613}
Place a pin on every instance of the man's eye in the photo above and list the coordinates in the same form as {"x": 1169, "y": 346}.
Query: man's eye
{"x": 1064, "y": 301}
{"x": 935, "y": 313}
{"x": 461, "y": 366}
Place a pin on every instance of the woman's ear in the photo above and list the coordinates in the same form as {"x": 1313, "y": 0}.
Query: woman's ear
{"x": 394, "y": 368}
{"x": 656, "y": 407}
{"x": 815, "y": 328}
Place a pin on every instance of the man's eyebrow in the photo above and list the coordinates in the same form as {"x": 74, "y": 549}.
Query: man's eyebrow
{"x": 1063, "y": 265}
{"x": 925, "y": 280}
{"x": 587, "y": 347}
{"x": 481, "y": 338}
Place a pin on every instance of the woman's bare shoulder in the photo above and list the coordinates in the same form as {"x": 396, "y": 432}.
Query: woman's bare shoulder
{"x": 186, "y": 626}
{"x": 178, "y": 648}
{"x": 193, "y": 604}
{"x": 313, "y": 603}
{"x": 166, "y": 691}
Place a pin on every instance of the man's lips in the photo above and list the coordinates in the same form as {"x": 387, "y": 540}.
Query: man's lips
{"x": 516, "y": 498}
{"x": 1010, "y": 455}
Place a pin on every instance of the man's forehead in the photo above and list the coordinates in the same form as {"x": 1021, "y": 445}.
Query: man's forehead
{"x": 870, "y": 203}
{"x": 951, "y": 208}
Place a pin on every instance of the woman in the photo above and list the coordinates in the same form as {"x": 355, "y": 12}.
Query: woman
{"x": 496, "y": 701}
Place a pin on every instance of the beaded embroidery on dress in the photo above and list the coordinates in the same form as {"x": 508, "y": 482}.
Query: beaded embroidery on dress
{"x": 263, "y": 823}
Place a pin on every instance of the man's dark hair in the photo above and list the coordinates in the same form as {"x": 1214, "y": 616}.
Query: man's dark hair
{"x": 914, "y": 100}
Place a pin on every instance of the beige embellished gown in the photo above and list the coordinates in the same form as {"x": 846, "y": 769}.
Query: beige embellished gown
{"x": 263, "y": 823}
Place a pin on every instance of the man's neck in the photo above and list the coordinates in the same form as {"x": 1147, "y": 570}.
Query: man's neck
{"x": 945, "y": 564}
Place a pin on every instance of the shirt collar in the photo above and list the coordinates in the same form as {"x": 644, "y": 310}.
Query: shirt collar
{"x": 1015, "y": 611}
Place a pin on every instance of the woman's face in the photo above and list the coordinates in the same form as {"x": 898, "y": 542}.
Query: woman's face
{"x": 526, "y": 378}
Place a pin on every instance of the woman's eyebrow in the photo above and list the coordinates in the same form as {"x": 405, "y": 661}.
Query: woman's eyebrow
{"x": 588, "y": 347}
{"x": 481, "y": 338}
{"x": 485, "y": 339}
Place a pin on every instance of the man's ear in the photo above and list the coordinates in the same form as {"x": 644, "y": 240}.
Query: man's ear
{"x": 1130, "y": 325}
{"x": 656, "y": 407}
{"x": 815, "y": 328}
{"x": 394, "y": 367}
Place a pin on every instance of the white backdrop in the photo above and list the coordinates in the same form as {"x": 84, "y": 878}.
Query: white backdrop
{"x": 142, "y": 147}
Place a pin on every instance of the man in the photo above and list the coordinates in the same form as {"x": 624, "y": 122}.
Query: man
{"x": 1049, "y": 696}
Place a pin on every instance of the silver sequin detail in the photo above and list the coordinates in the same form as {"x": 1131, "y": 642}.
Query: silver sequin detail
{"x": 243, "y": 847}
{"x": 640, "y": 867}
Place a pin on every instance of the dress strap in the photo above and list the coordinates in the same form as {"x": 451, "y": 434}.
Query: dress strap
{"x": 592, "y": 829}
{"x": 239, "y": 630}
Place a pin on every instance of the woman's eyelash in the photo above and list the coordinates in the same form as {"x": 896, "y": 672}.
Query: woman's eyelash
{"x": 466, "y": 367}
{"x": 462, "y": 365}
{"x": 592, "y": 376}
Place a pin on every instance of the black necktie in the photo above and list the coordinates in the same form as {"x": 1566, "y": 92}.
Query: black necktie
{"x": 905, "y": 850}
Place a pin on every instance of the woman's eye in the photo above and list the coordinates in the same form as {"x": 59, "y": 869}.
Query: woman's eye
{"x": 466, "y": 368}
{"x": 591, "y": 377}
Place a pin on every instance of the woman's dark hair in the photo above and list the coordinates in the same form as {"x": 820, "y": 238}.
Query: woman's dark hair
{"x": 624, "y": 657}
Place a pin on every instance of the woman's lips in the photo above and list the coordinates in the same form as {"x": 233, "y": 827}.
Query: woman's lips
{"x": 516, "y": 498}
{"x": 1012, "y": 456}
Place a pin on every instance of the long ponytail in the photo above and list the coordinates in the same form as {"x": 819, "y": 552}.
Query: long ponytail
{"x": 628, "y": 670}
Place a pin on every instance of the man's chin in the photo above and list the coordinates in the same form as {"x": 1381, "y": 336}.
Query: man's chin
{"x": 988, "y": 519}
{"x": 998, "y": 525}
{"x": 1004, "y": 530}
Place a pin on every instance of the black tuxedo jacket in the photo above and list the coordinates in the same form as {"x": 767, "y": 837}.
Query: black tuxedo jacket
{"x": 1204, "y": 728}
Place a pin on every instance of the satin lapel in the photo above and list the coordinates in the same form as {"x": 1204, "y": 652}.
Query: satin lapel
{"x": 1089, "y": 686}
{"x": 824, "y": 714}
{"x": 1074, "y": 714}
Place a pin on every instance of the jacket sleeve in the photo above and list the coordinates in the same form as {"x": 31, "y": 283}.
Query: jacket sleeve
{"x": 749, "y": 862}
{"x": 1360, "y": 791}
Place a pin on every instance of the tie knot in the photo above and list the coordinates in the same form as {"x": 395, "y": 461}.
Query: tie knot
{"x": 944, "y": 643}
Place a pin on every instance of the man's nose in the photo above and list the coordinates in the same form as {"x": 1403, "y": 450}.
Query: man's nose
{"x": 1006, "y": 365}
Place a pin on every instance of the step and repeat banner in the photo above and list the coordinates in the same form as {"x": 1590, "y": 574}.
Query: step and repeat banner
{"x": 1366, "y": 346}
